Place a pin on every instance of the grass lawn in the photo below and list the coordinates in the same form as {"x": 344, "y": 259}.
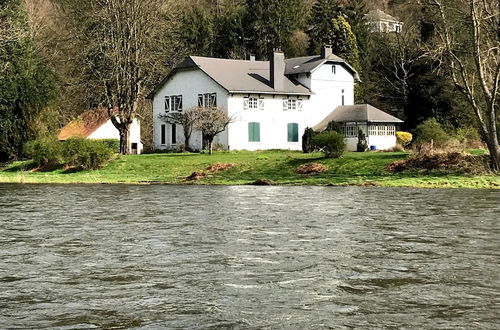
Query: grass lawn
{"x": 276, "y": 166}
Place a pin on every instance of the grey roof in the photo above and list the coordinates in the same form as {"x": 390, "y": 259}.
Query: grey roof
{"x": 379, "y": 15}
{"x": 356, "y": 113}
{"x": 309, "y": 63}
{"x": 241, "y": 76}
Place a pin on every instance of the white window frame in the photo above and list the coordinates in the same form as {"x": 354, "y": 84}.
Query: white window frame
{"x": 173, "y": 103}
{"x": 292, "y": 104}
{"x": 372, "y": 130}
{"x": 206, "y": 100}
{"x": 350, "y": 130}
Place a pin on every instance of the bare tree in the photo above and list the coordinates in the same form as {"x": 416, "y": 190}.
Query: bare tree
{"x": 211, "y": 121}
{"x": 187, "y": 119}
{"x": 468, "y": 45}
{"x": 122, "y": 46}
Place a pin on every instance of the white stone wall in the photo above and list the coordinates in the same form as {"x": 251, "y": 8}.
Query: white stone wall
{"x": 273, "y": 123}
{"x": 109, "y": 131}
{"x": 188, "y": 84}
{"x": 381, "y": 142}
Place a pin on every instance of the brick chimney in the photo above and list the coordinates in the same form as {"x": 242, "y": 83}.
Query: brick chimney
{"x": 277, "y": 70}
{"x": 326, "y": 51}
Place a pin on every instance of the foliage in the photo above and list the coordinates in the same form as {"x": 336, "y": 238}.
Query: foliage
{"x": 467, "y": 136}
{"x": 113, "y": 144}
{"x": 270, "y": 24}
{"x": 187, "y": 119}
{"x": 307, "y": 145}
{"x": 430, "y": 131}
{"x": 362, "y": 144}
{"x": 86, "y": 153}
{"x": 197, "y": 31}
{"x": 331, "y": 143}
{"x": 45, "y": 151}
{"x": 403, "y": 138}
{"x": 27, "y": 86}
{"x": 211, "y": 121}
{"x": 335, "y": 127}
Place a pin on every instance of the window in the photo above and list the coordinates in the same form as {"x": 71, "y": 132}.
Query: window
{"x": 290, "y": 104}
{"x": 350, "y": 130}
{"x": 250, "y": 103}
{"x": 372, "y": 130}
{"x": 173, "y": 103}
{"x": 174, "y": 134}
{"x": 334, "y": 69}
{"x": 382, "y": 130}
{"x": 293, "y": 132}
{"x": 253, "y": 132}
{"x": 163, "y": 134}
{"x": 391, "y": 130}
{"x": 343, "y": 97}
{"x": 207, "y": 100}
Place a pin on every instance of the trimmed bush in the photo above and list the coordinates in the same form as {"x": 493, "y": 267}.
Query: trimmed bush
{"x": 331, "y": 143}
{"x": 113, "y": 144}
{"x": 404, "y": 138}
{"x": 86, "y": 154}
{"x": 307, "y": 145}
{"x": 335, "y": 126}
{"x": 362, "y": 145}
{"x": 431, "y": 131}
{"x": 46, "y": 151}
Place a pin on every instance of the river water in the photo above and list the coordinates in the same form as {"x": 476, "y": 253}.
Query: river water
{"x": 201, "y": 257}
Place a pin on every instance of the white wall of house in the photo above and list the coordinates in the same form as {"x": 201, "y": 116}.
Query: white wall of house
{"x": 381, "y": 142}
{"x": 273, "y": 121}
{"x": 328, "y": 84}
{"x": 189, "y": 84}
{"x": 109, "y": 131}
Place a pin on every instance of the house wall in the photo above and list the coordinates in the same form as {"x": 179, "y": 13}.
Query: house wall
{"x": 188, "y": 84}
{"x": 381, "y": 142}
{"x": 109, "y": 131}
{"x": 327, "y": 87}
{"x": 273, "y": 122}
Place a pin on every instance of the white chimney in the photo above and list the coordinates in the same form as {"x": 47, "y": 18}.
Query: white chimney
{"x": 277, "y": 70}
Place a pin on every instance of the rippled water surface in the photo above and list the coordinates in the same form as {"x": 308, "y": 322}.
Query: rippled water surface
{"x": 153, "y": 257}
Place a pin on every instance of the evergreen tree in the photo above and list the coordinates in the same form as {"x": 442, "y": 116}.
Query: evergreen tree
{"x": 229, "y": 32}
{"x": 27, "y": 85}
{"x": 197, "y": 30}
{"x": 271, "y": 23}
{"x": 322, "y": 13}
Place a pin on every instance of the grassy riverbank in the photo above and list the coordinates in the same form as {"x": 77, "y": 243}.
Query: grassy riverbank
{"x": 276, "y": 166}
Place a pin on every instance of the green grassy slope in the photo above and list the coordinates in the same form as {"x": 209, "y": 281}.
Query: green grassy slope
{"x": 276, "y": 166}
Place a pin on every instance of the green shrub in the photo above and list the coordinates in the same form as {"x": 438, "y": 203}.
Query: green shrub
{"x": 331, "y": 143}
{"x": 430, "y": 131}
{"x": 113, "y": 144}
{"x": 45, "y": 151}
{"x": 307, "y": 145}
{"x": 86, "y": 154}
{"x": 468, "y": 137}
{"x": 335, "y": 126}
{"x": 362, "y": 145}
{"x": 403, "y": 138}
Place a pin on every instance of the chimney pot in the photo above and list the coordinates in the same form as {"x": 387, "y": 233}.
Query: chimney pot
{"x": 326, "y": 51}
{"x": 252, "y": 57}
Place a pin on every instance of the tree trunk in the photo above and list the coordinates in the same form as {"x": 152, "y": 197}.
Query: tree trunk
{"x": 494, "y": 150}
{"x": 210, "y": 148}
{"x": 125, "y": 140}
{"x": 186, "y": 141}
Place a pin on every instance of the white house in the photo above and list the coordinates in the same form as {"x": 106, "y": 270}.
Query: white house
{"x": 96, "y": 124}
{"x": 271, "y": 102}
{"x": 380, "y": 21}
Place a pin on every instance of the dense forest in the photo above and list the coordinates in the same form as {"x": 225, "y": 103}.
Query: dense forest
{"x": 59, "y": 58}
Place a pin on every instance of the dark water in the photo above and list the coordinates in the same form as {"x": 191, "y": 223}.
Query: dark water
{"x": 152, "y": 257}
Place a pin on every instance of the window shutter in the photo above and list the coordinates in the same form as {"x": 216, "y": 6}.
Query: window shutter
{"x": 167, "y": 103}
{"x": 213, "y": 100}
{"x": 261, "y": 104}
{"x": 290, "y": 132}
{"x": 257, "y": 132}
{"x": 285, "y": 104}
{"x": 299, "y": 105}
{"x": 200, "y": 100}
{"x": 179, "y": 106}
{"x": 295, "y": 132}
{"x": 245, "y": 103}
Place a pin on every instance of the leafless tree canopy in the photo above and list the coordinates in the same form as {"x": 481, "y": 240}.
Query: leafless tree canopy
{"x": 468, "y": 45}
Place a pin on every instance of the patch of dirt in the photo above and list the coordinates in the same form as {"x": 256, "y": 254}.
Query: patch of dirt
{"x": 219, "y": 167}
{"x": 311, "y": 168}
{"x": 196, "y": 175}
{"x": 452, "y": 162}
{"x": 261, "y": 182}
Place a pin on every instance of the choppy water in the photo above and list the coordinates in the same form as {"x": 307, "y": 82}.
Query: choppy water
{"x": 153, "y": 257}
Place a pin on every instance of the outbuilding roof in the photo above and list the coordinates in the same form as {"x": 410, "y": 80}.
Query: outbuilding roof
{"x": 85, "y": 124}
{"x": 379, "y": 15}
{"x": 356, "y": 113}
{"x": 307, "y": 64}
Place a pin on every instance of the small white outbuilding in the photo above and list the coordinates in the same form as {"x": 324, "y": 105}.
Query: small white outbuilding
{"x": 378, "y": 126}
{"x": 96, "y": 124}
